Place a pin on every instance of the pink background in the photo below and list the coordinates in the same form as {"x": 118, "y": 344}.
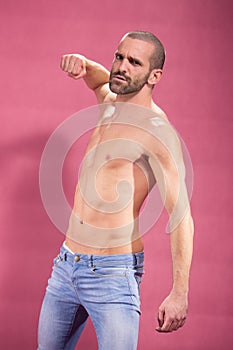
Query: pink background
{"x": 36, "y": 97}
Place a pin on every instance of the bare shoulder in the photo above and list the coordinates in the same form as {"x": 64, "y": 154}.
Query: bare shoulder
{"x": 110, "y": 97}
{"x": 161, "y": 138}
{"x": 104, "y": 94}
{"x": 159, "y": 111}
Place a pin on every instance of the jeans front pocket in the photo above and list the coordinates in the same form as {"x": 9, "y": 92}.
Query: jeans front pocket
{"x": 109, "y": 271}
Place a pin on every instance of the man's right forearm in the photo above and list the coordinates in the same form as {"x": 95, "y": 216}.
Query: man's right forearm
{"x": 96, "y": 75}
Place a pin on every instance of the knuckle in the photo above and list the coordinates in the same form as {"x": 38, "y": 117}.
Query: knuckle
{"x": 70, "y": 58}
{"x": 171, "y": 317}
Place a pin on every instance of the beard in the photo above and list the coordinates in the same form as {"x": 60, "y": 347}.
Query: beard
{"x": 127, "y": 86}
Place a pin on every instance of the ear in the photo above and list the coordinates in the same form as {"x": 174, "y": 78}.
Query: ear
{"x": 155, "y": 76}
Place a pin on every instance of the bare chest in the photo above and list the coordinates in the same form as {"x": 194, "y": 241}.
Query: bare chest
{"x": 113, "y": 145}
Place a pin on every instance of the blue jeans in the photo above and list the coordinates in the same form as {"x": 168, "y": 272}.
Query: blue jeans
{"x": 106, "y": 288}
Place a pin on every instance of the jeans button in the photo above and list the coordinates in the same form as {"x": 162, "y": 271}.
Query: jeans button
{"x": 76, "y": 258}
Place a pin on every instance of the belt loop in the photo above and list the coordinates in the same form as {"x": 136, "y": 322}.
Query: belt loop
{"x": 65, "y": 256}
{"x": 90, "y": 260}
{"x": 135, "y": 260}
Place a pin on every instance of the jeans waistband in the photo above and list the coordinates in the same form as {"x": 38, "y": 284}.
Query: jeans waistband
{"x": 135, "y": 259}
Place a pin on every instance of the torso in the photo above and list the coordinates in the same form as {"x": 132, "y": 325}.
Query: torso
{"x": 114, "y": 180}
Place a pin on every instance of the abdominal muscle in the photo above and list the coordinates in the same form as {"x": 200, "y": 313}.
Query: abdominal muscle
{"x": 104, "y": 219}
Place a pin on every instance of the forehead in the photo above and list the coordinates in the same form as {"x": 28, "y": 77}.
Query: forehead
{"x": 135, "y": 48}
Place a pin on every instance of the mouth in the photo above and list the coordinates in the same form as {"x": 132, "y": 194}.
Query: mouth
{"x": 119, "y": 77}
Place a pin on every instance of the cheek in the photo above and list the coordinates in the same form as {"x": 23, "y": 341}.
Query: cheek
{"x": 138, "y": 76}
{"x": 115, "y": 65}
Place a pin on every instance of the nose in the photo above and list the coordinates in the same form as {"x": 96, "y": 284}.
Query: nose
{"x": 123, "y": 66}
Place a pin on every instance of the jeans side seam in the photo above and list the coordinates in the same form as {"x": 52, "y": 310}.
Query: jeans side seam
{"x": 131, "y": 294}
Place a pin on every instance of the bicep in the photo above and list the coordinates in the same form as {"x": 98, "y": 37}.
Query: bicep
{"x": 169, "y": 170}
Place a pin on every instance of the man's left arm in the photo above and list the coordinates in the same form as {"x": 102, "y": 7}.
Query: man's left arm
{"x": 167, "y": 163}
{"x": 173, "y": 310}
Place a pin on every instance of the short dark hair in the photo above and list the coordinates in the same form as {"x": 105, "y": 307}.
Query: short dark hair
{"x": 158, "y": 57}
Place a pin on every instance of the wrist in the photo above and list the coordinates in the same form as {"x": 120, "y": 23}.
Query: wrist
{"x": 179, "y": 291}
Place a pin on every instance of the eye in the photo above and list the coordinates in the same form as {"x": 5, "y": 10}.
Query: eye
{"x": 118, "y": 57}
{"x": 134, "y": 62}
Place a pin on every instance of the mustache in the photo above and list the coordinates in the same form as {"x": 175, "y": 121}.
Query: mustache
{"x": 113, "y": 74}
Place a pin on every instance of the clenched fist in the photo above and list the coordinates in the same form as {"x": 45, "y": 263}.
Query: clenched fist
{"x": 74, "y": 65}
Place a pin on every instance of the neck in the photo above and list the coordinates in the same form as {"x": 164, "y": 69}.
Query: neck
{"x": 139, "y": 98}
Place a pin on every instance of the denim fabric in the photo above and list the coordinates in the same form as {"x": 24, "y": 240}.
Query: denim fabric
{"x": 106, "y": 288}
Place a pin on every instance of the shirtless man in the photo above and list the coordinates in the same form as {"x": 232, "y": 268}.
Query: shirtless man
{"x": 100, "y": 265}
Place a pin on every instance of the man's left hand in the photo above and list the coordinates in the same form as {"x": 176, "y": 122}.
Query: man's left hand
{"x": 172, "y": 313}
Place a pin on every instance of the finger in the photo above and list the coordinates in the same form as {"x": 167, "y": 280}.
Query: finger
{"x": 160, "y": 318}
{"x": 71, "y": 64}
{"x": 79, "y": 69}
{"x": 177, "y": 324}
{"x": 174, "y": 326}
{"x": 74, "y": 76}
{"x": 65, "y": 62}
{"x": 166, "y": 326}
{"x": 62, "y": 64}
{"x": 182, "y": 322}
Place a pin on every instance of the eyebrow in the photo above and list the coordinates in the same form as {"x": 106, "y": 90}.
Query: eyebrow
{"x": 130, "y": 58}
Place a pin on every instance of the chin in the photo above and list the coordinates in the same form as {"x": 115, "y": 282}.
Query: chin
{"x": 115, "y": 88}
